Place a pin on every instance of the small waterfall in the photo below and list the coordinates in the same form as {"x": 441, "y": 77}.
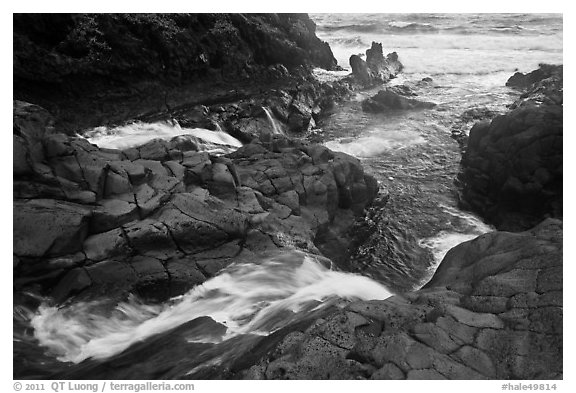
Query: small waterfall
{"x": 277, "y": 129}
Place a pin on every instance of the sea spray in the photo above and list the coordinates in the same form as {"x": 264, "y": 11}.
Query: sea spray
{"x": 248, "y": 298}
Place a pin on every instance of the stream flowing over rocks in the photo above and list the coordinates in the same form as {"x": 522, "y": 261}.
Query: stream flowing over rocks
{"x": 211, "y": 196}
{"x": 162, "y": 217}
{"x": 492, "y": 310}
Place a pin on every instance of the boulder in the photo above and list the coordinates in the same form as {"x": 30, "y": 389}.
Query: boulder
{"x": 389, "y": 99}
{"x": 360, "y": 70}
{"x": 112, "y": 213}
{"x": 377, "y": 69}
{"x": 46, "y": 227}
{"x": 512, "y": 169}
{"x": 32, "y": 123}
{"x": 20, "y": 157}
{"x": 525, "y": 81}
{"x": 106, "y": 245}
{"x": 432, "y": 333}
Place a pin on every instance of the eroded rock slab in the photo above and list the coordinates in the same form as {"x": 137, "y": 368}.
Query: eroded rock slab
{"x": 433, "y": 333}
{"x": 163, "y": 216}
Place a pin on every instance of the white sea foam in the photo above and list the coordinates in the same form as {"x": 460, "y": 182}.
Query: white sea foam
{"x": 253, "y": 298}
{"x": 449, "y": 44}
{"x": 375, "y": 143}
{"x": 470, "y": 225}
{"x": 138, "y": 133}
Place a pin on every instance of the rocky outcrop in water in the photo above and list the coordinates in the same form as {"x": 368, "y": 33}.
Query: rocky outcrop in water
{"x": 95, "y": 69}
{"x": 158, "y": 219}
{"x": 377, "y": 69}
{"x": 466, "y": 120}
{"x": 525, "y": 81}
{"x": 512, "y": 169}
{"x": 493, "y": 310}
{"x": 394, "y": 98}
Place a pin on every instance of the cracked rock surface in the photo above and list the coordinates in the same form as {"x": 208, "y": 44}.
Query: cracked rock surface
{"x": 160, "y": 218}
{"x": 493, "y": 310}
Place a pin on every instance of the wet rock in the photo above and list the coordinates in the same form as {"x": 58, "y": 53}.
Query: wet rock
{"x": 93, "y": 172}
{"x": 525, "y": 81}
{"x": 184, "y": 275}
{"x": 155, "y": 150}
{"x": 512, "y": 168}
{"x": 152, "y": 278}
{"x": 190, "y": 234}
{"x": 150, "y": 237}
{"x": 20, "y": 163}
{"x": 435, "y": 337}
{"x": 117, "y": 184}
{"x": 32, "y": 123}
{"x": 388, "y": 371}
{"x": 112, "y": 213}
{"x": 438, "y": 333}
{"x": 136, "y": 172}
{"x": 75, "y": 281}
{"x": 110, "y": 278}
{"x": 389, "y": 99}
{"x": 376, "y": 69}
{"x": 49, "y": 227}
{"x": 106, "y": 245}
{"x": 165, "y": 205}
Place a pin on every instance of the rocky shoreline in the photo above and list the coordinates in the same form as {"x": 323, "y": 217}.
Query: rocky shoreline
{"x": 493, "y": 310}
{"x": 158, "y": 219}
{"x": 512, "y": 168}
{"x": 163, "y": 217}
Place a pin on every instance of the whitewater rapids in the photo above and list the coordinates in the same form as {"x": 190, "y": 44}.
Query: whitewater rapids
{"x": 248, "y": 298}
{"x": 138, "y": 133}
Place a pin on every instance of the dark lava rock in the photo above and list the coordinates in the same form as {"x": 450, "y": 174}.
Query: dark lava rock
{"x": 160, "y": 218}
{"x": 391, "y": 99}
{"x": 525, "y": 81}
{"x": 493, "y": 310}
{"x": 91, "y": 69}
{"x": 512, "y": 169}
{"x": 462, "y": 125}
{"x": 377, "y": 69}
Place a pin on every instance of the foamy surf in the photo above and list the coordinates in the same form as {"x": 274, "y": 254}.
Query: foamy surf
{"x": 375, "y": 144}
{"x": 250, "y": 298}
{"x": 441, "y": 243}
{"x": 139, "y": 133}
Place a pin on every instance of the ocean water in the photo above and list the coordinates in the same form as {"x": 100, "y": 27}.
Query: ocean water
{"x": 489, "y": 46}
{"x": 469, "y": 58}
{"x": 412, "y": 155}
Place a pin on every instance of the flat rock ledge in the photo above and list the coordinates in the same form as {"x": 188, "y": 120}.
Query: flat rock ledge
{"x": 493, "y": 310}
{"x": 158, "y": 219}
